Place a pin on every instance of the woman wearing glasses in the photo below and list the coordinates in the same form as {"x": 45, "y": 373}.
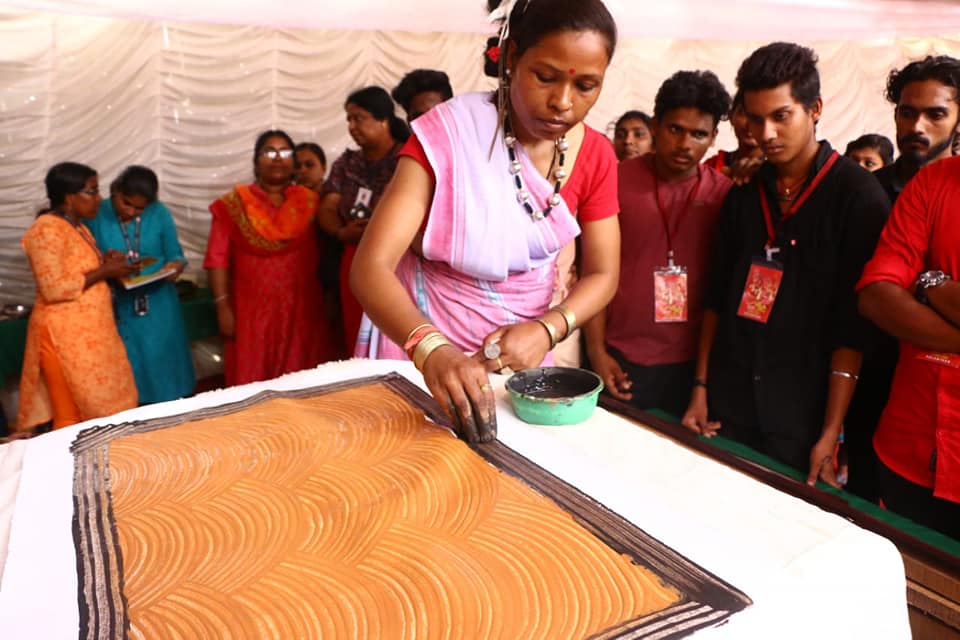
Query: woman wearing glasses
{"x": 75, "y": 367}
{"x": 357, "y": 179}
{"x": 262, "y": 258}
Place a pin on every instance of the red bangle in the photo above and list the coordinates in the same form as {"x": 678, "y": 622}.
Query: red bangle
{"x": 418, "y": 334}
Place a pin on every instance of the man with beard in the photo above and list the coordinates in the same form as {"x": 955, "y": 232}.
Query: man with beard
{"x": 907, "y": 289}
{"x": 781, "y": 343}
{"x": 927, "y": 116}
{"x": 645, "y": 343}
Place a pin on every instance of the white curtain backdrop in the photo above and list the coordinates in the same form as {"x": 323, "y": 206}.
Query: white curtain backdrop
{"x": 188, "y": 98}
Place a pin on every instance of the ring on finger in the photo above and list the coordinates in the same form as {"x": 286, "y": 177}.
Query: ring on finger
{"x": 499, "y": 363}
{"x": 491, "y": 350}
{"x": 486, "y": 387}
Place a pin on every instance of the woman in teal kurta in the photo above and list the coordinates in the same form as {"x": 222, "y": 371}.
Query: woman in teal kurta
{"x": 149, "y": 318}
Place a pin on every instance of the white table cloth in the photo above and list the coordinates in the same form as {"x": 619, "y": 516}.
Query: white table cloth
{"x": 810, "y": 573}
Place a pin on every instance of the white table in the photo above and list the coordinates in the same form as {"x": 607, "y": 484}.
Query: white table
{"x": 810, "y": 573}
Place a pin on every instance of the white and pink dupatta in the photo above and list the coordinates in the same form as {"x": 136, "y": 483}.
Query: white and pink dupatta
{"x": 487, "y": 262}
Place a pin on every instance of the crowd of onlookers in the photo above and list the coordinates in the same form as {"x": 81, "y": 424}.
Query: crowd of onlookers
{"x": 766, "y": 293}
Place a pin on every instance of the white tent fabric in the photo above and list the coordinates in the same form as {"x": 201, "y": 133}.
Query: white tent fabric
{"x": 687, "y": 19}
{"x": 188, "y": 98}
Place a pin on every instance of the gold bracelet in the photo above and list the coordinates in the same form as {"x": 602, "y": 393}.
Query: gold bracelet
{"x": 425, "y": 347}
{"x": 551, "y": 330}
{"x": 568, "y": 316}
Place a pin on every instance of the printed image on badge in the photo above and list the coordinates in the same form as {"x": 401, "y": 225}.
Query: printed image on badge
{"x": 361, "y": 206}
{"x": 760, "y": 291}
{"x": 670, "y": 295}
{"x": 364, "y": 196}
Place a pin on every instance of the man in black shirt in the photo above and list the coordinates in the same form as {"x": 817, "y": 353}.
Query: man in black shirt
{"x": 926, "y": 96}
{"x": 782, "y": 339}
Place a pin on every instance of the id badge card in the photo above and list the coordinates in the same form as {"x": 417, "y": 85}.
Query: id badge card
{"x": 361, "y": 206}
{"x": 670, "y": 294}
{"x": 141, "y": 305}
{"x": 760, "y": 290}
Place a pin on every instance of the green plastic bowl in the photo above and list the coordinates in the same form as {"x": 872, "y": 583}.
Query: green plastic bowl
{"x": 554, "y": 396}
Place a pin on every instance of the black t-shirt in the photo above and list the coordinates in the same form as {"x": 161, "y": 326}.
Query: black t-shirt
{"x": 889, "y": 179}
{"x": 772, "y": 378}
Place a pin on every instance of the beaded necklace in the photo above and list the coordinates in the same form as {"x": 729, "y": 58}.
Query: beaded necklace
{"x": 523, "y": 196}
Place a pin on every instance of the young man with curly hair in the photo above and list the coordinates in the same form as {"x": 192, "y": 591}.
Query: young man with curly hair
{"x": 782, "y": 341}
{"x": 645, "y": 344}
{"x": 926, "y": 99}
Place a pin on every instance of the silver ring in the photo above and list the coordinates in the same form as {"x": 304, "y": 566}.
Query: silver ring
{"x": 491, "y": 350}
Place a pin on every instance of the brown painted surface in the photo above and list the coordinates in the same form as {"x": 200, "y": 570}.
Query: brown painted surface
{"x": 349, "y": 516}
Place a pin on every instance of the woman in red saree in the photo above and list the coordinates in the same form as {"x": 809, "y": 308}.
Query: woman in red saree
{"x": 262, "y": 258}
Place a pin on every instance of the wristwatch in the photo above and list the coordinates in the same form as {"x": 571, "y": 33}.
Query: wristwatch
{"x": 927, "y": 280}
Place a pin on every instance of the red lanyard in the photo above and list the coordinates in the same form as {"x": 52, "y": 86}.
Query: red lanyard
{"x": 663, "y": 213}
{"x": 789, "y": 213}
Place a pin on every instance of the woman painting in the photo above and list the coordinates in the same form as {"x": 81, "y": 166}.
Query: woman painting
{"x": 356, "y": 182}
{"x": 262, "y": 259}
{"x": 75, "y": 367}
{"x": 487, "y": 192}
{"x": 149, "y": 319}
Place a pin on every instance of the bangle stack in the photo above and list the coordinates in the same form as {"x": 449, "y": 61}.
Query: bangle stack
{"x": 569, "y": 317}
{"x": 423, "y": 340}
{"x": 551, "y": 330}
{"x": 417, "y": 334}
{"x": 427, "y": 345}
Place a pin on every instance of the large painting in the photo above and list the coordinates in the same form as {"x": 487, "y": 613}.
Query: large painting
{"x": 345, "y": 511}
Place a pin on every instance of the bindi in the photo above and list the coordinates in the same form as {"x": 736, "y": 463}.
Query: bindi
{"x": 573, "y": 71}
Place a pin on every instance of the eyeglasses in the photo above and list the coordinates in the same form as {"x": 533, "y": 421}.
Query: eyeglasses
{"x": 92, "y": 192}
{"x": 273, "y": 154}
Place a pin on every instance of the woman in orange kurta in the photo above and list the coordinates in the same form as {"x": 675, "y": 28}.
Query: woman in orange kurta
{"x": 75, "y": 367}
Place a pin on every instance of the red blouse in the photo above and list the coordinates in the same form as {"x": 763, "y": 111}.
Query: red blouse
{"x": 591, "y": 190}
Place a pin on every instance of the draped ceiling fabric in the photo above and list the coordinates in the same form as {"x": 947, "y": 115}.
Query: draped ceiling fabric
{"x": 185, "y": 86}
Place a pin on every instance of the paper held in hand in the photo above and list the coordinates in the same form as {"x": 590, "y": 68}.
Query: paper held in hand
{"x": 133, "y": 282}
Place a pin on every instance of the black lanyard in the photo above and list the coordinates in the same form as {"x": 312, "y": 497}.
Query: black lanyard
{"x": 133, "y": 250}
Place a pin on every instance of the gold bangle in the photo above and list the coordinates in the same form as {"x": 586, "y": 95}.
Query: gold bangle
{"x": 425, "y": 347}
{"x": 415, "y": 329}
{"x": 568, "y": 316}
{"x": 550, "y": 330}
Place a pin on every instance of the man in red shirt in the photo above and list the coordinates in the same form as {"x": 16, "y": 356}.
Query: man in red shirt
{"x": 908, "y": 290}
{"x": 645, "y": 345}
{"x": 927, "y": 114}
